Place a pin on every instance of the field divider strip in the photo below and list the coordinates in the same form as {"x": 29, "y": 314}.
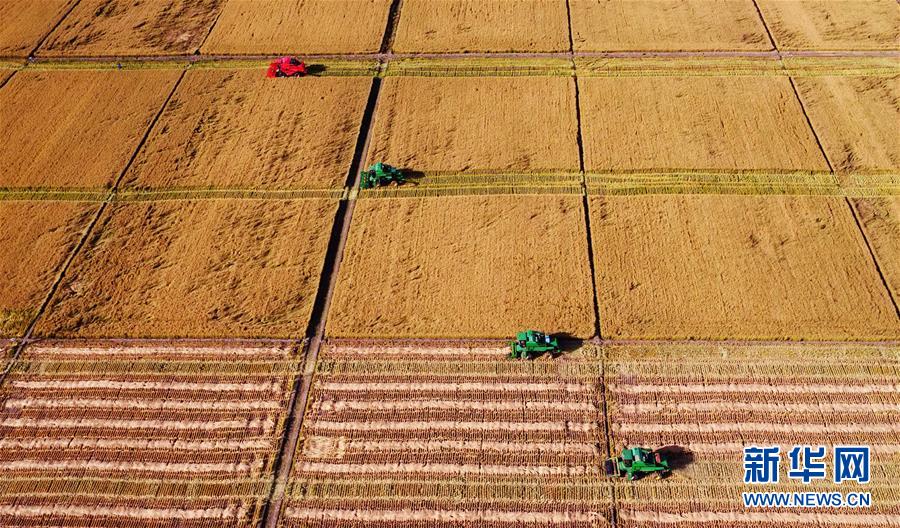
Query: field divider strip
{"x": 873, "y": 256}
{"x": 53, "y": 29}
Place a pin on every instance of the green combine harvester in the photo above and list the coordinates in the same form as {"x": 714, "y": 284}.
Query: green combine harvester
{"x": 636, "y": 462}
{"x": 531, "y": 343}
{"x": 380, "y": 174}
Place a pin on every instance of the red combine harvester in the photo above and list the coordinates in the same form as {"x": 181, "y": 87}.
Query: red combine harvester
{"x": 286, "y": 67}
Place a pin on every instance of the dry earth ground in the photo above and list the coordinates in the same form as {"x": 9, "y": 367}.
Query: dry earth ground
{"x": 736, "y": 267}
{"x": 524, "y": 124}
{"x": 35, "y": 240}
{"x": 132, "y": 28}
{"x": 449, "y": 435}
{"x": 713, "y": 123}
{"x": 448, "y": 26}
{"x": 856, "y": 118}
{"x": 880, "y": 218}
{"x": 299, "y": 26}
{"x": 215, "y": 268}
{"x": 711, "y": 401}
{"x": 833, "y": 25}
{"x": 680, "y": 25}
{"x": 76, "y": 128}
{"x": 95, "y": 435}
{"x": 235, "y": 128}
{"x": 25, "y": 22}
{"x": 464, "y": 267}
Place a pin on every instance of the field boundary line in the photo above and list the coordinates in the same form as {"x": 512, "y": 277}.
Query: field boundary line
{"x": 390, "y": 30}
{"x": 53, "y": 29}
{"x": 873, "y": 256}
{"x": 211, "y": 28}
{"x": 766, "y": 26}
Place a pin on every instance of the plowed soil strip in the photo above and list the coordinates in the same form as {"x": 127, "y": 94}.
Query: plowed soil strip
{"x": 818, "y": 519}
{"x": 665, "y": 407}
{"x": 758, "y": 387}
{"x": 440, "y": 387}
{"x": 181, "y": 514}
{"x": 324, "y": 446}
{"x": 458, "y": 516}
{"x": 719, "y": 427}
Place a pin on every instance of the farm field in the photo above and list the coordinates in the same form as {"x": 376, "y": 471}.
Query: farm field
{"x": 712, "y": 123}
{"x": 209, "y": 268}
{"x": 35, "y": 241}
{"x": 704, "y": 404}
{"x": 25, "y": 22}
{"x": 128, "y": 28}
{"x": 448, "y": 435}
{"x": 76, "y": 128}
{"x": 112, "y": 435}
{"x": 310, "y": 26}
{"x": 229, "y": 129}
{"x": 462, "y": 266}
{"x": 880, "y": 218}
{"x": 736, "y": 267}
{"x": 452, "y": 26}
{"x": 680, "y": 25}
{"x": 833, "y": 25}
{"x": 857, "y": 119}
{"x": 464, "y": 124}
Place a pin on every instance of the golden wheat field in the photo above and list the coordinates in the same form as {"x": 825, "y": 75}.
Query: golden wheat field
{"x": 880, "y": 218}
{"x": 25, "y": 22}
{"x": 208, "y": 268}
{"x": 679, "y": 25}
{"x": 833, "y": 25}
{"x": 227, "y": 128}
{"x": 76, "y": 128}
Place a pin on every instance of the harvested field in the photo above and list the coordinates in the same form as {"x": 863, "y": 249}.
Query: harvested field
{"x": 833, "y": 25}
{"x": 742, "y": 267}
{"x": 880, "y": 218}
{"x": 463, "y": 267}
{"x": 25, "y": 22}
{"x": 5, "y": 74}
{"x": 104, "y": 435}
{"x": 230, "y": 128}
{"x": 448, "y": 436}
{"x": 305, "y": 26}
{"x": 523, "y": 124}
{"x": 35, "y": 241}
{"x": 132, "y": 28}
{"x": 76, "y": 128}
{"x": 713, "y": 123}
{"x": 704, "y": 404}
{"x": 856, "y": 118}
{"x": 681, "y": 25}
{"x": 450, "y": 26}
{"x": 215, "y": 268}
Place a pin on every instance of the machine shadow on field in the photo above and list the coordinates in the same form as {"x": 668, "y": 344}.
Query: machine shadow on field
{"x": 679, "y": 457}
{"x": 412, "y": 175}
{"x": 567, "y": 344}
{"x": 316, "y": 69}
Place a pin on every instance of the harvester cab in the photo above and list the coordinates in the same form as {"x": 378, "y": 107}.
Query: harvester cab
{"x": 637, "y": 461}
{"x": 380, "y": 174}
{"x": 531, "y": 343}
{"x": 286, "y": 67}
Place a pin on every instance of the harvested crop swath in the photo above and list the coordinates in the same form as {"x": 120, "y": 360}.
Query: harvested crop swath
{"x": 25, "y": 22}
{"x": 306, "y": 26}
{"x": 232, "y": 129}
{"x": 434, "y": 436}
{"x": 211, "y": 268}
{"x": 724, "y": 65}
{"x": 833, "y": 25}
{"x": 74, "y": 129}
{"x": 705, "y": 403}
{"x": 439, "y": 26}
{"x": 682, "y": 25}
{"x": 857, "y": 119}
{"x": 106, "y": 435}
{"x": 526, "y": 66}
{"x": 127, "y": 28}
{"x": 880, "y": 218}
{"x": 701, "y": 123}
{"x": 462, "y": 267}
{"x": 521, "y": 124}
{"x": 699, "y": 182}
{"x": 36, "y": 239}
{"x": 747, "y": 267}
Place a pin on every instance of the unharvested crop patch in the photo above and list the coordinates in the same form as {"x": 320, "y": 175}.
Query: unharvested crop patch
{"x": 106, "y": 435}
{"x": 682, "y": 25}
{"x": 466, "y": 124}
{"x": 237, "y": 129}
{"x": 129, "y": 28}
{"x": 856, "y": 118}
{"x": 35, "y": 241}
{"x": 746, "y": 267}
{"x": 448, "y": 436}
{"x": 880, "y": 218}
{"x": 76, "y": 128}
{"x": 439, "y": 26}
{"x": 307, "y": 26}
{"x": 25, "y": 22}
{"x": 210, "y": 268}
{"x": 485, "y": 266}
{"x": 711, "y": 123}
{"x": 833, "y": 25}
